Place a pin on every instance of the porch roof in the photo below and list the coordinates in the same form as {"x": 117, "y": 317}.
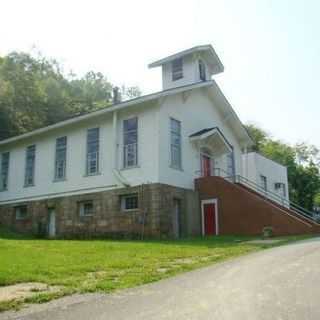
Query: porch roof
{"x": 214, "y": 137}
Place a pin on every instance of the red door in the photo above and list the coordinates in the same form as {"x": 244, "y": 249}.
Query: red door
{"x": 206, "y": 166}
{"x": 209, "y": 211}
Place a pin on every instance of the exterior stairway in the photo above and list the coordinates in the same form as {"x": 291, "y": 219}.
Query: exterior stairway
{"x": 245, "y": 209}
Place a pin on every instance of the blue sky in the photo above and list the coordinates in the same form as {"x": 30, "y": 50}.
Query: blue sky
{"x": 270, "y": 49}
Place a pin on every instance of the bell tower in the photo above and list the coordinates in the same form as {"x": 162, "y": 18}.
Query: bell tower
{"x": 189, "y": 66}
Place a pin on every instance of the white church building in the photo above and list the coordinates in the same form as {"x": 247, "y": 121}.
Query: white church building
{"x": 169, "y": 164}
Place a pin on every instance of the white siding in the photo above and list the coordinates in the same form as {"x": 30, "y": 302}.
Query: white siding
{"x": 76, "y": 180}
{"x": 196, "y": 113}
{"x": 256, "y": 165}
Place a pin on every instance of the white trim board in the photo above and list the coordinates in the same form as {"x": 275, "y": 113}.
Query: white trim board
{"x": 203, "y": 202}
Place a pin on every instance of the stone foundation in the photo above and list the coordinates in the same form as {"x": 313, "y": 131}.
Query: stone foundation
{"x": 153, "y": 218}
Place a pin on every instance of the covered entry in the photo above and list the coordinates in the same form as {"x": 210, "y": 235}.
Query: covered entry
{"x": 210, "y": 222}
{"x": 211, "y": 144}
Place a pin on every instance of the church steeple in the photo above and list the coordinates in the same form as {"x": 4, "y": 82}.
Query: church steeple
{"x": 189, "y": 66}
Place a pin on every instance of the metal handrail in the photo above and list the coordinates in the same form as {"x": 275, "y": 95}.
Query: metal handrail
{"x": 275, "y": 197}
{"x": 266, "y": 193}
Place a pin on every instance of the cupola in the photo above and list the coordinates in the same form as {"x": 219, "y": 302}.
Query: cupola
{"x": 189, "y": 66}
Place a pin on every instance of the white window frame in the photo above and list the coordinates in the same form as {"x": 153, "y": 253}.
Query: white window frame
{"x": 18, "y": 213}
{"x": 4, "y": 176}
{"x": 171, "y": 164}
{"x": 282, "y": 187}
{"x": 82, "y": 211}
{"x": 202, "y": 70}
{"x": 64, "y": 161}
{"x": 231, "y": 169}
{"x": 133, "y": 146}
{"x": 93, "y": 156}
{"x": 264, "y": 182}
{"x": 209, "y": 201}
{"x": 177, "y": 70}
{"x": 123, "y": 199}
{"x": 26, "y": 176}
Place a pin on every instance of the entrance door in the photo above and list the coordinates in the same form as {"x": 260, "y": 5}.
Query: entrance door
{"x": 209, "y": 217}
{"x": 52, "y": 223}
{"x": 176, "y": 217}
{"x": 206, "y": 165}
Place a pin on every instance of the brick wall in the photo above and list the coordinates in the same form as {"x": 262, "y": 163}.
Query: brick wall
{"x": 244, "y": 213}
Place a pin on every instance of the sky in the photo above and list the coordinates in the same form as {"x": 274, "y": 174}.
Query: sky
{"x": 270, "y": 49}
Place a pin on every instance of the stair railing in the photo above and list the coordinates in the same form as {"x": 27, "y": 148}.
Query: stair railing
{"x": 275, "y": 197}
{"x": 267, "y": 194}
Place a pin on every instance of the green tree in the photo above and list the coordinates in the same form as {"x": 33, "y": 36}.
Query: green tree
{"x": 34, "y": 93}
{"x": 301, "y": 161}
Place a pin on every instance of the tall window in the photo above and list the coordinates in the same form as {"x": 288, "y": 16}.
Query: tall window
{"x": 130, "y": 142}
{"x": 61, "y": 158}
{"x": 202, "y": 70}
{"x": 263, "y": 181}
{"x": 92, "y": 151}
{"x": 4, "y": 171}
{"x": 30, "y": 166}
{"x": 175, "y": 143}
{"x": 230, "y": 164}
{"x": 177, "y": 69}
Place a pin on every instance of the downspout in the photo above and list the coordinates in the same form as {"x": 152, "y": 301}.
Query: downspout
{"x": 116, "y": 171}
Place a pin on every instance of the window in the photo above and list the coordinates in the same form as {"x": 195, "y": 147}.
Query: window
{"x": 130, "y": 142}
{"x": 230, "y": 164}
{"x": 202, "y": 70}
{"x": 92, "y": 151}
{"x": 129, "y": 202}
{"x": 263, "y": 181}
{"x": 4, "y": 171}
{"x": 30, "y": 166}
{"x": 175, "y": 143}
{"x": 61, "y": 157}
{"x": 21, "y": 212}
{"x": 177, "y": 69}
{"x": 280, "y": 188}
{"x": 86, "y": 208}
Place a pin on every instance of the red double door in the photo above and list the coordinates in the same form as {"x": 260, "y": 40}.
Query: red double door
{"x": 209, "y": 219}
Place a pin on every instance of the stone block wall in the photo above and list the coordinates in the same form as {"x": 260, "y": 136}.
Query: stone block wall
{"x": 153, "y": 218}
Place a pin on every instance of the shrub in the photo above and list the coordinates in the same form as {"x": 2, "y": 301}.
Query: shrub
{"x": 267, "y": 232}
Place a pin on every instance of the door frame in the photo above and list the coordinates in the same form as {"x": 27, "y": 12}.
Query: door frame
{"x": 208, "y": 201}
{"x": 52, "y": 212}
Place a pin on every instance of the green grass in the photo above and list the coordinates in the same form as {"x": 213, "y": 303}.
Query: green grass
{"x": 107, "y": 265}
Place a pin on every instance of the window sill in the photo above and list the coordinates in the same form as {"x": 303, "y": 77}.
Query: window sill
{"x": 176, "y": 168}
{"x": 59, "y": 180}
{"x": 29, "y": 185}
{"x": 128, "y": 168}
{"x": 129, "y": 210}
{"x": 92, "y": 174}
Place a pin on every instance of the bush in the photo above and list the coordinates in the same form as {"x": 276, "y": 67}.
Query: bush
{"x": 267, "y": 232}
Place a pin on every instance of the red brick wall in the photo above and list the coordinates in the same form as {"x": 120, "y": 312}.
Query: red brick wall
{"x": 244, "y": 213}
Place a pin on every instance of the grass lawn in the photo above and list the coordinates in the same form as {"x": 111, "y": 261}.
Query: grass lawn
{"x": 107, "y": 265}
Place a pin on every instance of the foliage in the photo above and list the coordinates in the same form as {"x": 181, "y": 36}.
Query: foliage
{"x": 302, "y": 161}
{"x": 316, "y": 200}
{"x": 34, "y": 93}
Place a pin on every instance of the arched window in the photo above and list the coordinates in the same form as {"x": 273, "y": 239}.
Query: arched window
{"x": 202, "y": 70}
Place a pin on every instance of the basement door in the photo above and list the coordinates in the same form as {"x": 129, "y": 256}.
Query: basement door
{"x": 209, "y": 211}
{"x": 52, "y": 223}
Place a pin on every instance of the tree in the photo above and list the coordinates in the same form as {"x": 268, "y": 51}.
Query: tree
{"x": 34, "y": 93}
{"x": 301, "y": 161}
{"x": 258, "y": 135}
